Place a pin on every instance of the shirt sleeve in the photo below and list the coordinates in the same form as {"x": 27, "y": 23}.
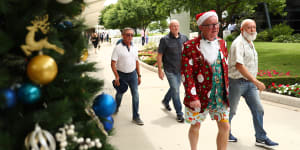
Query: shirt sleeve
{"x": 114, "y": 55}
{"x": 238, "y": 53}
{"x": 187, "y": 76}
{"x": 162, "y": 46}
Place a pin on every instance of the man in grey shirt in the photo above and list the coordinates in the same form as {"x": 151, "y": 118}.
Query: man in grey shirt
{"x": 169, "y": 53}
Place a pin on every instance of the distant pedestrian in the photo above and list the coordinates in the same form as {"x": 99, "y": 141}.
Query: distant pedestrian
{"x": 243, "y": 67}
{"x": 169, "y": 54}
{"x": 95, "y": 41}
{"x": 147, "y": 36}
{"x": 107, "y": 37}
{"x": 125, "y": 66}
{"x": 143, "y": 37}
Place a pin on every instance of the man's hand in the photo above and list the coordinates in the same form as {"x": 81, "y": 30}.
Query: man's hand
{"x": 261, "y": 86}
{"x": 139, "y": 80}
{"x": 117, "y": 82}
{"x": 160, "y": 74}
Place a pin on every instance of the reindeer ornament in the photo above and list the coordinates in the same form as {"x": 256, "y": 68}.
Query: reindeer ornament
{"x": 32, "y": 45}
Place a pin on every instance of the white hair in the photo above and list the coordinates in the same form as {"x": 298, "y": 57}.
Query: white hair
{"x": 246, "y": 21}
{"x": 174, "y": 21}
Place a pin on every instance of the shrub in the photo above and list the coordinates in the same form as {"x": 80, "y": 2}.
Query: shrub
{"x": 281, "y": 29}
{"x": 150, "y": 61}
{"x": 229, "y": 38}
{"x": 287, "y": 38}
{"x": 264, "y": 36}
{"x": 279, "y": 80}
{"x": 284, "y": 39}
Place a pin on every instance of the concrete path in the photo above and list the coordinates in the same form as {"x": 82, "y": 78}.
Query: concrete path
{"x": 162, "y": 132}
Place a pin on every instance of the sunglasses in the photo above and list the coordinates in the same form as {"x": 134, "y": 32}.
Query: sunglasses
{"x": 129, "y": 35}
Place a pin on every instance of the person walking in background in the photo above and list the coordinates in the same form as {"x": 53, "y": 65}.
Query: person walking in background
{"x": 204, "y": 72}
{"x": 95, "y": 41}
{"x": 243, "y": 67}
{"x": 125, "y": 66}
{"x": 143, "y": 37}
{"x": 107, "y": 37}
{"x": 147, "y": 36}
{"x": 169, "y": 54}
{"x": 102, "y": 37}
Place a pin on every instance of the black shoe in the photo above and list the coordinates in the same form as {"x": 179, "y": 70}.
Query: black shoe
{"x": 138, "y": 121}
{"x": 167, "y": 106}
{"x": 232, "y": 138}
{"x": 180, "y": 118}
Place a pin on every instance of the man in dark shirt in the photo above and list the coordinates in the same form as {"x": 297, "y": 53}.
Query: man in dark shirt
{"x": 169, "y": 53}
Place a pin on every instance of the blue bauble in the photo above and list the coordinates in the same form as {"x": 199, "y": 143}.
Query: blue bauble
{"x": 108, "y": 123}
{"x": 28, "y": 93}
{"x": 68, "y": 24}
{"x": 61, "y": 26}
{"x": 104, "y": 105}
{"x": 9, "y": 97}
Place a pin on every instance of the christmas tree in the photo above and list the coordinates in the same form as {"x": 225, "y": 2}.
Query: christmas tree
{"x": 42, "y": 83}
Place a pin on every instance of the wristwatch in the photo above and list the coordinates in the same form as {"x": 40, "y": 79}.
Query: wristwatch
{"x": 139, "y": 75}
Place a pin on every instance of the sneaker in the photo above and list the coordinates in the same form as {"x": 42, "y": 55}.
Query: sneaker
{"x": 167, "y": 106}
{"x": 232, "y": 138}
{"x": 268, "y": 143}
{"x": 138, "y": 121}
{"x": 180, "y": 119}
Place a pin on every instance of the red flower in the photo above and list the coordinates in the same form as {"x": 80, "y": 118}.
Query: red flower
{"x": 280, "y": 85}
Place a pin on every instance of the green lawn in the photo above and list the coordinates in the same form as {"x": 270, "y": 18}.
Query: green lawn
{"x": 282, "y": 57}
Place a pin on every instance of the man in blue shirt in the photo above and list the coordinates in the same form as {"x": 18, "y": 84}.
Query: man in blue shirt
{"x": 169, "y": 54}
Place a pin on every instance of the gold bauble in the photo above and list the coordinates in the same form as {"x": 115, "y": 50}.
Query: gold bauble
{"x": 84, "y": 56}
{"x": 42, "y": 69}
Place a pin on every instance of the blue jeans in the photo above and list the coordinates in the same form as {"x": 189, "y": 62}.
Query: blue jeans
{"x": 174, "y": 80}
{"x": 245, "y": 88}
{"x": 132, "y": 81}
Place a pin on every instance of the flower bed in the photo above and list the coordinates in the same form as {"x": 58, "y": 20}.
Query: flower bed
{"x": 281, "y": 83}
{"x": 291, "y": 90}
{"x": 148, "y": 54}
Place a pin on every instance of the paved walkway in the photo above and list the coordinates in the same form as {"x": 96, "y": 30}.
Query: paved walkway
{"x": 162, "y": 132}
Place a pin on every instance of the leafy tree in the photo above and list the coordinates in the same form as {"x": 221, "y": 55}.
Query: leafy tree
{"x": 161, "y": 25}
{"x": 130, "y": 13}
{"x": 244, "y": 8}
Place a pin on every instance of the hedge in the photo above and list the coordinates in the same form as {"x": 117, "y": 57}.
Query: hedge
{"x": 280, "y": 80}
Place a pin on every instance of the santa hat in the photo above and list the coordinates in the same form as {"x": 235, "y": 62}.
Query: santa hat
{"x": 203, "y": 16}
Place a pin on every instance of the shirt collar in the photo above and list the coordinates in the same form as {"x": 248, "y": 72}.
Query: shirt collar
{"x": 172, "y": 36}
{"x": 125, "y": 44}
{"x": 202, "y": 38}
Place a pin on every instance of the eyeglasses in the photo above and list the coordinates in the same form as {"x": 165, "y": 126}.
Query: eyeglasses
{"x": 210, "y": 26}
{"x": 129, "y": 35}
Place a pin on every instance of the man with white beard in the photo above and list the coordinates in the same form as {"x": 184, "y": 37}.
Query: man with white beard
{"x": 204, "y": 71}
{"x": 243, "y": 67}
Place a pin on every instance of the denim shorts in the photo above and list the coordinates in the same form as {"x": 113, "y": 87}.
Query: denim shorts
{"x": 220, "y": 115}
